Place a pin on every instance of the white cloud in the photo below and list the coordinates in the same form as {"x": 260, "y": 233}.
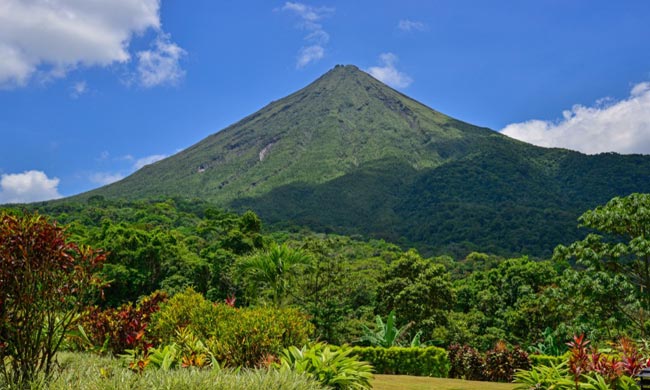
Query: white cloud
{"x": 316, "y": 37}
{"x": 29, "y": 186}
{"x": 141, "y": 162}
{"x": 309, "y": 54}
{"x": 411, "y": 25}
{"x": 609, "y": 126}
{"x": 78, "y": 89}
{"x": 387, "y": 73}
{"x": 52, "y": 37}
{"x": 161, "y": 64}
{"x": 105, "y": 178}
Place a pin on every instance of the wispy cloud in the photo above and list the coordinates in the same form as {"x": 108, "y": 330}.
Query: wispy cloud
{"x": 411, "y": 25}
{"x": 316, "y": 37}
{"x": 79, "y": 88}
{"x": 609, "y": 126}
{"x": 29, "y": 186}
{"x": 49, "y": 38}
{"x": 141, "y": 162}
{"x": 388, "y": 73}
{"x": 161, "y": 64}
{"x": 309, "y": 54}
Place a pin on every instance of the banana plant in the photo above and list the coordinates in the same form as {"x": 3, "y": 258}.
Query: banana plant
{"x": 387, "y": 334}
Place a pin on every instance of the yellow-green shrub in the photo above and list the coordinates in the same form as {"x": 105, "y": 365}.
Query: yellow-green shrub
{"x": 236, "y": 337}
{"x": 254, "y": 336}
{"x": 429, "y": 361}
{"x": 189, "y": 309}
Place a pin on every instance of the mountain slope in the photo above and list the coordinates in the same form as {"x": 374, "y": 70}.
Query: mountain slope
{"x": 349, "y": 154}
{"x": 344, "y": 119}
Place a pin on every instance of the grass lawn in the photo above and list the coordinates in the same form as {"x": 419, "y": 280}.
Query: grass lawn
{"x": 404, "y": 382}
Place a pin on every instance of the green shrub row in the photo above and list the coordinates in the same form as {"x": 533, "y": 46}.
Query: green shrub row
{"x": 546, "y": 360}
{"x": 429, "y": 361}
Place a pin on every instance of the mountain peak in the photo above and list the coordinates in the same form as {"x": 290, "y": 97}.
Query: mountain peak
{"x": 342, "y": 73}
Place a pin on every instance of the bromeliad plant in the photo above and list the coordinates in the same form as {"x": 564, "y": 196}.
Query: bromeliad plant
{"x": 334, "y": 368}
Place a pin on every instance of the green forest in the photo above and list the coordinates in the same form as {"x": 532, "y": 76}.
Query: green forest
{"x": 172, "y": 271}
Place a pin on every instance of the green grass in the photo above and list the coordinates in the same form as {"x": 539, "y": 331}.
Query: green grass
{"x": 403, "y": 382}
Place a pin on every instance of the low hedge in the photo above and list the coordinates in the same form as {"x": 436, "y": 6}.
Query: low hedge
{"x": 429, "y": 361}
{"x": 546, "y": 360}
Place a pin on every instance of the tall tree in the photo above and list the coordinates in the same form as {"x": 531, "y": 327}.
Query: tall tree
{"x": 622, "y": 247}
{"x": 418, "y": 290}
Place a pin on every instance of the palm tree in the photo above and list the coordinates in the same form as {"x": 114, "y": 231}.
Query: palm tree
{"x": 273, "y": 269}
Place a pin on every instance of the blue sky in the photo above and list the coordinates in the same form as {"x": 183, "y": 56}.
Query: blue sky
{"x": 90, "y": 91}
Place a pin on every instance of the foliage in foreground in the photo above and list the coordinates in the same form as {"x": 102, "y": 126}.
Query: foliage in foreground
{"x": 586, "y": 368}
{"x": 92, "y": 372}
{"x": 337, "y": 368}
{"x": 44, "y": 282}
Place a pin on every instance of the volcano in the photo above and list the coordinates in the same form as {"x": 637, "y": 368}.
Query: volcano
{"x": 347, "y": 154}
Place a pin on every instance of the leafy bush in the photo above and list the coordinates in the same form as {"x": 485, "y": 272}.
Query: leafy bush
{"x": 337, "y": 368}
{"x": 123, "y": 328}
{"x": 501, "y": 363}
{"x": 497, "y": 365}
{"x": 429, "y": 361}
{"x": 466, "y": 362}
{"x": 44, "y": 281}
{"x": 551, "y": 376}
{"x": 246, "y": 337}
{"x": 254, "y": 335}
{"x": 188, "y": 309}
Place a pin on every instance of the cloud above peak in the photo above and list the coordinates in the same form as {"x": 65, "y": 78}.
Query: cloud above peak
{"x": 411, "y": 25}
{"x": 316, "y": 37}
{"x": 609, "y": 126}
{"x": 387, "y": 72}
{"x": 50, "y": 38}
{"x": 29, "y": 186}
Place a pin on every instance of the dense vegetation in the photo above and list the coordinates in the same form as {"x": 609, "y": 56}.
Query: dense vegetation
{"x": 349, "y": 155}
{"x": 343, "y": 283}
{"x": 190, "y": 285}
